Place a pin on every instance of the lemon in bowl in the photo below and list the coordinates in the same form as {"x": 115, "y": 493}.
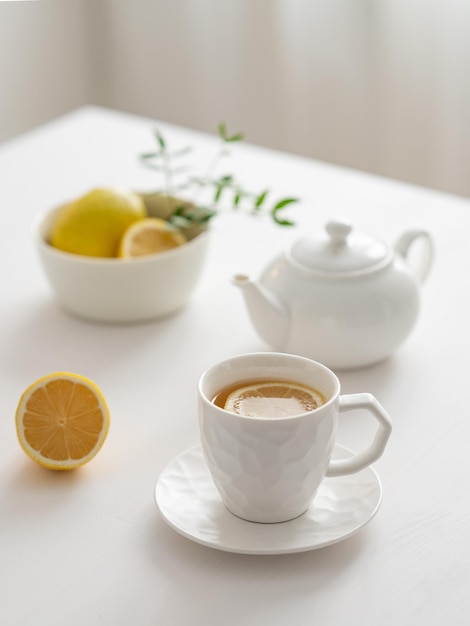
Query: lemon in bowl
{"x": 93, "y": 224}
{"x": 118, "y": 289}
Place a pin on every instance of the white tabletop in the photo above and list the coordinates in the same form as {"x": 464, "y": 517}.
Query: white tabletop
{"x": 88, "y": 546}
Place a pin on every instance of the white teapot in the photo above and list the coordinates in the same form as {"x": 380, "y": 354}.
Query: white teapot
{"x": 343, "y": 298}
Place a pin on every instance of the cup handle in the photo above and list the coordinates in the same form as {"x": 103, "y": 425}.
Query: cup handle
{"x": 365, "y": 458}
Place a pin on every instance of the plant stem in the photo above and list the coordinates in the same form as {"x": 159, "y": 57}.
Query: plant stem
{"x": 210, "y": 169}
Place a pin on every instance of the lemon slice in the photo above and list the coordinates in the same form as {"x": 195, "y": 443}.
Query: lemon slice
{"x": 62, "y": 421}
{"x": 149, "y": 236}
{"x": 273, "y": 399}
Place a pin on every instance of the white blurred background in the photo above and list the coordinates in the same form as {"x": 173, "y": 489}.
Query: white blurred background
{"x": 378, "y": 85}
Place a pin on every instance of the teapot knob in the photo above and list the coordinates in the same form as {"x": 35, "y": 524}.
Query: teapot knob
{"x": 338, "y": 232}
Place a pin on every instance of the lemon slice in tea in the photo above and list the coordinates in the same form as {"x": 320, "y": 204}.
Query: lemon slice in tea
{"x": 273, "y": 399}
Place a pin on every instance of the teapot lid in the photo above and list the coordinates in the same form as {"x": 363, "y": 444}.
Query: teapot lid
{"x": 341, "y": 250}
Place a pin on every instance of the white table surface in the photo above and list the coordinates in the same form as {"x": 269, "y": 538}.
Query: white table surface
{"x": 89, "y": 547}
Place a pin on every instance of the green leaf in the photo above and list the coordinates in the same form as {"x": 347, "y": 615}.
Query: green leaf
{"x": 238, "y": 196}
{"x": 223, "y": 134}
{"x": 282, "y": 203}
{"x": 180, "y": 152}
{"x": 225, "y": 180}
{"x": 233, "y": 138}
{"x": 218, "y": 192}
{"x": 282, "y": 222}
{"x": 180, "y": 221}
{"x": 178, "y": 211}
{"x": 207, "y": 216}
{"x": 222, "y": 130}
{"x": 160, "y": 139}
{"x": 261, "y": 198}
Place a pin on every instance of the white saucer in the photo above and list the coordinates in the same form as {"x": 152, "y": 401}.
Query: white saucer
{"x": 189, "y": 502}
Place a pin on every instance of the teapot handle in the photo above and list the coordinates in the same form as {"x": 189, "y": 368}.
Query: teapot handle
{"x": 404, "y": 244}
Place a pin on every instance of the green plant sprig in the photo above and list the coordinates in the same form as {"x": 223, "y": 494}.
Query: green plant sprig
{"x": 168, "y": 162}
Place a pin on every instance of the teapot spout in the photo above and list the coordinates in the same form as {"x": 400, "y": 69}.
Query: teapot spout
{"x": 269, "y": 316}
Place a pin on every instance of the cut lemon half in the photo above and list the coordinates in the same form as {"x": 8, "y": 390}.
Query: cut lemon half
{"x": 62, "y": 421}
{"x": 273, "y": 399}
{"x": 149, "y": 236}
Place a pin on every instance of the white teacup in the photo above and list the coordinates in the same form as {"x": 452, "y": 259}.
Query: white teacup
{"x": 269, "y": 469}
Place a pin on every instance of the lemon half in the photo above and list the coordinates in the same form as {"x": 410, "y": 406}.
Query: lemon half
{"x": 62, "y": 420}
{"x": 149, "y": 236}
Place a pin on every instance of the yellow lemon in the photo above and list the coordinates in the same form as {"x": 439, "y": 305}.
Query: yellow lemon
{"x": 62, "y": 420}
{"x": 93, "y": 225}
{"x": 149, "y": 236}
{"x": 273, "y": 399}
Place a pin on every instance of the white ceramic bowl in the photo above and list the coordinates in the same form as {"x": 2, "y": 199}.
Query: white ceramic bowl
{"x": 120, "y": 290}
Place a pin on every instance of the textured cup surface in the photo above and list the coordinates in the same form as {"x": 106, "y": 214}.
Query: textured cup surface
{"x": 268, "y": 470}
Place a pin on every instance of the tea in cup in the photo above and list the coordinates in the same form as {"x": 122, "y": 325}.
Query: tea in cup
{"x": 268, "y": 424}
